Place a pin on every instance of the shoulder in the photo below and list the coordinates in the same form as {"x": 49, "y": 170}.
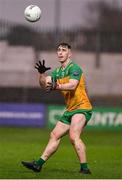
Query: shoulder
{"x": 75, "y": 66}
{"x": 75, "y": 71}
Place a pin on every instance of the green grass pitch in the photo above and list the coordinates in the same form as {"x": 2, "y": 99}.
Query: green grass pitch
{"x": 104, "y": 153}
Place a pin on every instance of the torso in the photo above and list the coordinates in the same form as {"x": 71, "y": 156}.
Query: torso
{"x": 75, "y": 99}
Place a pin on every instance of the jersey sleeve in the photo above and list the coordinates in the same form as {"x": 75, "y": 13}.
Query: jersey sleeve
{"x": 75, "y": 72}
{"x": 53, "y": 75}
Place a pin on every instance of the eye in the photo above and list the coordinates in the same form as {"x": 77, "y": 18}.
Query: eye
{"x": 58, "y": 50}
{"x": 64, "y": 49}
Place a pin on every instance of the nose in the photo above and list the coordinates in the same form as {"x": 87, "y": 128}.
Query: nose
{"x": 60, "y": 52}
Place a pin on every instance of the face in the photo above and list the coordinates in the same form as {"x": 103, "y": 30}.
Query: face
{"x": 63, "y": 54}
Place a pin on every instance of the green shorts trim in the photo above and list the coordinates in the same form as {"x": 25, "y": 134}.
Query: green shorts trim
{"x": 66, "y": 117}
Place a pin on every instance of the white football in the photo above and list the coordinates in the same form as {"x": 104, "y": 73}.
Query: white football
{"x": 32, "y": 13}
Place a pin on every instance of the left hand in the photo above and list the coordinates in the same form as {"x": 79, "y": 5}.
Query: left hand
{"x": 40, "y": 66}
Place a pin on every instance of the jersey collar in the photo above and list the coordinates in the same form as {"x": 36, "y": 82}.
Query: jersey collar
{"x": 70, "y": 61}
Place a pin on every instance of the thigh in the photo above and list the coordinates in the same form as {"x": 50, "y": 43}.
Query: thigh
{"x": 78, "y": 122}
{"x": 60, "y": 129}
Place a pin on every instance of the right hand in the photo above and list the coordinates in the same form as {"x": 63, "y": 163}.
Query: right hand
{"x": 51, "y": 86}
{"x": 40, "y": 66}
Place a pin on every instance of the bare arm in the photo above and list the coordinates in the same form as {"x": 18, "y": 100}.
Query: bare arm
{"x": 68, "y": 86}
{"x": 47, "y": 83}
{"x": 44, "y": 80}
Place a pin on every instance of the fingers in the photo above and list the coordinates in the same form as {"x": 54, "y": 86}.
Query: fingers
{"x": 48, "y": 87}
{"x": 43, "y": 62}
{"x": 48, "y": 68}
{"x": 37, "y": 66}
{"x": 40, "y": 66}
{"x": 49, "y": 84}
{"x": 40, "y": 63}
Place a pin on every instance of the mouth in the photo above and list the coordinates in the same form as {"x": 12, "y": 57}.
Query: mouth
{"x": 60, "y": 57}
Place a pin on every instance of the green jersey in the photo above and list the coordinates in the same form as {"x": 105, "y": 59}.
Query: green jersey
{"x": 77, "y": 98}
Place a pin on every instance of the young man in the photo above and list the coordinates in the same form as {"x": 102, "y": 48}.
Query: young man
{"x": 69, "y": 79}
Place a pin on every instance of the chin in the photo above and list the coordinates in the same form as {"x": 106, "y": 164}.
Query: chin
{"x": 62, "y": 60}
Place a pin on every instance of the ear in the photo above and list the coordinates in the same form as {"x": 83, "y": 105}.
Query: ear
{"x": 70, "y": 53}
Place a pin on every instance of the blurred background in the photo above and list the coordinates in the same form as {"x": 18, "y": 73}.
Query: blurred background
{"x": 94, "y": 30}
{"x": 27, "y": 113}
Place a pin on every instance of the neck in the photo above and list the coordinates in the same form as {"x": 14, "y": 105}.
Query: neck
{"x": 64, "y": 64}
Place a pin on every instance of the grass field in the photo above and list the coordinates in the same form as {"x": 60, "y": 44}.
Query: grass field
{"x": 104, "y": 151}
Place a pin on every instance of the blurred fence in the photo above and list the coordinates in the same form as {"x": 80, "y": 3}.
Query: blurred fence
{"x": 83, "y": 40}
